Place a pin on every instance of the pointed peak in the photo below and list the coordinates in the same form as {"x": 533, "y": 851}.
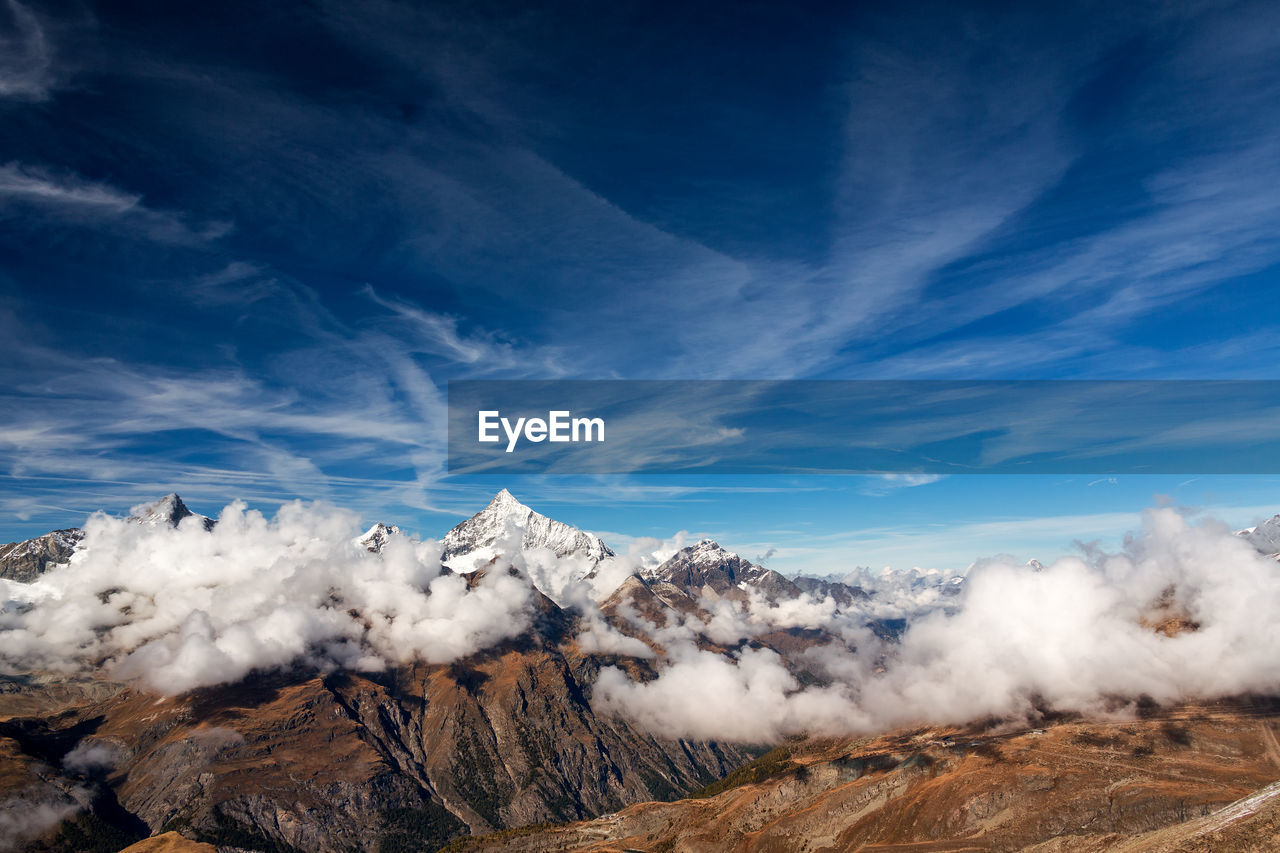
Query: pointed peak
{"x": 504, "y": 498}
{"x": 168, "y": 510}
{"x": 172, "y": 500}
{"x": 376, "y": 537}
{"x": 706, "y": 552}
{"x": 708, "y": 548}
{"x": 505, "y": 515}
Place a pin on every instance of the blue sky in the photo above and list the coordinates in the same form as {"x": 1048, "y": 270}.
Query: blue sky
{"x": 242, "y": 249}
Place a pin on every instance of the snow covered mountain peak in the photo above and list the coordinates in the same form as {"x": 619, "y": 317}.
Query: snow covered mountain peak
{"x": 709, "y": 551}
{"x": 25, "y": 561}
{"x": 1265, "y": 537}
{"x": 504, "y": 498}
{"x": 505, "y": 515}
{"x": 703, "y": 553}
{"x": 169, "y": 510}
{"x": 376, "y": 537}
{"x": 705, "y": 567}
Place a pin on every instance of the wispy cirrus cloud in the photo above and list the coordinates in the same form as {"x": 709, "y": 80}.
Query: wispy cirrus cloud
{"x": 479, "y": 350}
{"x": 952, "y": 153}
{"x": 356, "y": 413}
{"x": 417, "y": 196}
{"x": 72, "y": 199}
{"x": 883, "y": 484}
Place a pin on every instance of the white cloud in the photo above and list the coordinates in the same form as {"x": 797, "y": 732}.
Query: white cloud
{"x": 883, "y": 484}
{"x": 1077, "y": 635}
{"x": 91, "y": 755}
{"x": 72, "y": 199}
{"x": 183, "y": 608}
{"x": 702, "y": 695}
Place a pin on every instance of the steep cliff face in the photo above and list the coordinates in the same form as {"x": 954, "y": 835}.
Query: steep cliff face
{"x": 511, "y": 740}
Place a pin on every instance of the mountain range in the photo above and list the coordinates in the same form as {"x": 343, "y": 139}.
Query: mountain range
{"x": 510, "y": 747}
{"x": 306, "y": 760}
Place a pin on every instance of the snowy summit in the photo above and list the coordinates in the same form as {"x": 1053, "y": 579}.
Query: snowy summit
{"x": 505, "y": 514}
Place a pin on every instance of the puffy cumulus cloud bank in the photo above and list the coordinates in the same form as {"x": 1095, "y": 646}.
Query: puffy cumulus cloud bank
{"x": 184, "y": 607}
{"x": 1079, "y": 635}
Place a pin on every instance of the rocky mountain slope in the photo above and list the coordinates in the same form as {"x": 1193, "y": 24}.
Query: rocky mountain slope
{"x": 27, "y": 560}
{"x": 843, "y": 594}
{"x": 709, "y": 571}
{"x": 1162, "y": 779}
{"x": 306, "y": 761}
{"x": 169, "y": 842}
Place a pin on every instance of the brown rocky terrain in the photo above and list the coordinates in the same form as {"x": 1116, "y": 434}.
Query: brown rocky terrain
{"x": 169, "y": 842}
{"x": 339, "y": 762}
{"x": 300, "y": 760}
{"x": 1162, "y": 779}
{"x": 27, "y": 560}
